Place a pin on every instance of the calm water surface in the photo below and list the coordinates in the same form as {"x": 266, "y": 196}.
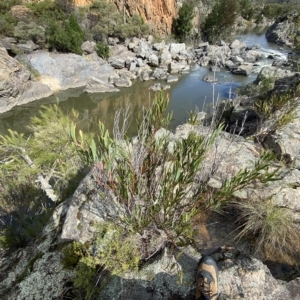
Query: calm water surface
{"x": 186, "y": 94}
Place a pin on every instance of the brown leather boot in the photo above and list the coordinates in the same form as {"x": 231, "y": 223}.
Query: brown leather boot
{"x": 207, "y": 279}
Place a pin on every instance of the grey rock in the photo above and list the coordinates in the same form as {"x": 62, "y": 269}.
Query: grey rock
{"x": 159, "y": 73}
{"x": 253, "y": 47}
{"x": 133, "y": 43}
{"x": 67, "y": 70}
{"x": 112, "y": 41}
{"x": 16, "y": 86}
{"x": 203, "y": 45}
{"x": 155, "y": 87}
{"x": 123, "y": 82}
{"x": 280, "y": 32}
{"x": 132, "y": 66}
{"x": 140, "y": 52}
{"x": 255, "y": 281}
{"x": 144, "y": 75}
{"x": 153, "y": 60}
{"x": 116, "y": 62}
{"x": 34, "y": 91}
{"x": 209, "y": 78}
{"x": 204, "y": 61}
{"x": 8, "y": 43}
{"x": 165, "y": 58}
{"x": 95, "y": 85}
{"x": 150, "y": 39}
{"x": 157, "y": 281}
{"x": 244, "y": 69}
{"x": 285, "y": 142}
{"x": 214, "y": 69}
{"x": 175, "y": 67}
{"x": 175, "y": 48}
{"x": 237, "y": 60}
{"x": 253, "y": 55}
{"x": 140, "y": 62}
{"x": 28, "y": 47}
{"x": 230, "y": 64}
{"x": 88, "y": 47}
{"x": 126, "y": 74}
{"x": 172, "y": 78}
{"x": 158, "y": 87}
{"x": 159, "y": 46}
{"x": 270, "y": 72}
{"x": 236, "y": 44}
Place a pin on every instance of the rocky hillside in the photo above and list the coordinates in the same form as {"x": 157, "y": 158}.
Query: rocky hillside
{"x": 158, "y": 14}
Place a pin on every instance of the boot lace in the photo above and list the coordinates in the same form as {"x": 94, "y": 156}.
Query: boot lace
{"x": 205, "y": 286}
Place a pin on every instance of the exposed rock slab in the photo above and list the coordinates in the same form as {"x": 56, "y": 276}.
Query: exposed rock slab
{"x": 16, "y": 86}
{"x": 281, "y": 31}
{"x": 285, "y": 141}
{"x": 68, "y": 70}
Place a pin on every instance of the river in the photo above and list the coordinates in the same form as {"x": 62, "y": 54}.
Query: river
{"x": 189, "y": 92}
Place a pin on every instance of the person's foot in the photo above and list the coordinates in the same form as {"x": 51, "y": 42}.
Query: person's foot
{"x": 207, "y": 279}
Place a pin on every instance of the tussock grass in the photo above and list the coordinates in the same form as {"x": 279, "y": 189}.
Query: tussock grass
{"x": 269, "y": 229}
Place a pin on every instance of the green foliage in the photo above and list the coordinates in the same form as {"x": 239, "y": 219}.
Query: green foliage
{"x": 24, "y": 211}
{"x": 260, "y": 172}
{"x": 156, "y": 186}
{"x": 274, "y": 10}
{"x": 269, "y": 228}
{"x": 103, "y": 50}
{"x": 107, "y": 21}
{"x": 117, "y": 250}
{"x": 220, "y": 20}
{"x": 115, "y": 253}
{"x": 47, "y": 152}
{"x": 6, "y": 5}
{"x": 257, "y": 90}
{"x": 66, "y": 36}
{"x": 7, "y": 21}
{"x": 246, "y": 9}
{"x": 29, "y": 31}
{"x": 279, "y": 107}
{"x": 183, "y": 24}
{"x": 45, "y": 10}
{"x": 72, "y": 255}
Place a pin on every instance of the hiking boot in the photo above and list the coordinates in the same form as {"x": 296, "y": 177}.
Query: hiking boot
{"x": 207, "y": 279}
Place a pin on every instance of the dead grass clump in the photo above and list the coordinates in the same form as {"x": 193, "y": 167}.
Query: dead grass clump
{"x": 269, "y": 229}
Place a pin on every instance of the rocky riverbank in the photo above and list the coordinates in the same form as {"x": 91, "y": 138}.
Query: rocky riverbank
{"x": 38, "y": 74}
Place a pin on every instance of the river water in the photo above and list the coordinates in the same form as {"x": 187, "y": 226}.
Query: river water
{"x": 186, "y": 94}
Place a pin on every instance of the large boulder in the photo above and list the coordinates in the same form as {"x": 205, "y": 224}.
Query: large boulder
{"x": 16, "y": 86}
{"x": 252, "y": 56}
{"x": 116, "y": 62}
{"x": 165, "y": 58}
{"x": 175, "y": 48}
{"x": 153, "y": 60}
{"x": 88, "y": 47}
{"x": 285, "y": 142}
{"x": 159, "y": 73}
{"x": 270, "y": 72}
{"x": 67, "y": 70}
{"x": 281, "y": 31}
{"x": 244, "y": 69}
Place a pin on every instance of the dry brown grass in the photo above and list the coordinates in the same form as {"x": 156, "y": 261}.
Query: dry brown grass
{"x": 270, "y": 230}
